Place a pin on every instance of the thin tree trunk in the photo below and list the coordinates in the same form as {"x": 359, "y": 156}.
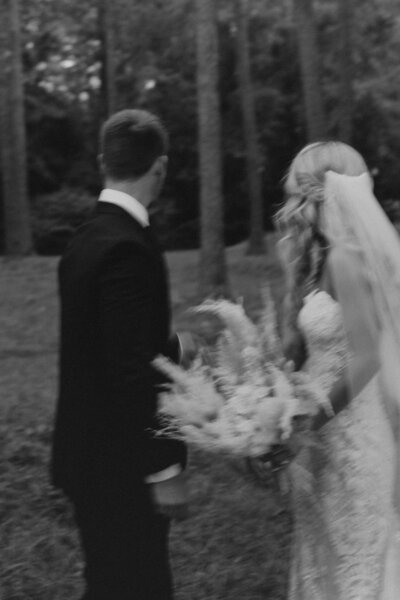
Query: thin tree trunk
{"x": 213, "y": 278}
{"x": 17, "y": 225}
{"x": 346, "y": 100}
{"x": 256, "y": 239}
{"x": 107, "y": 32}
{"x": 309, "y": 63}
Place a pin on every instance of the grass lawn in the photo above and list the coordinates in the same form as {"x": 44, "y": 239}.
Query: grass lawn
{"x": 234, "y": 544}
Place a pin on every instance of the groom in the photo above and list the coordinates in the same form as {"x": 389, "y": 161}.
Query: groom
{"x": 124, "y": 482}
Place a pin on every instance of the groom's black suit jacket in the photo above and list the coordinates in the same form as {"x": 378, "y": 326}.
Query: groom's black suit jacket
{"x": 115, "y": 317}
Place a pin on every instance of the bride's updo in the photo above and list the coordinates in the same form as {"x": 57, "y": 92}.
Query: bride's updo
{"x": 303, "y": 247}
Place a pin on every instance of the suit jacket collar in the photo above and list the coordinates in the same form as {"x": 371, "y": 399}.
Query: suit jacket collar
{"x": 108, "y": 208}
{"x": 127, "y": 203}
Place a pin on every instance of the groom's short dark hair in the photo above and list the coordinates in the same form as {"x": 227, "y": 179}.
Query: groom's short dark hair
{"x": 130, "y": 141}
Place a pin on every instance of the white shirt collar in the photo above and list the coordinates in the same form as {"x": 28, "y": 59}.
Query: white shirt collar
{"x": 127, "y": 203}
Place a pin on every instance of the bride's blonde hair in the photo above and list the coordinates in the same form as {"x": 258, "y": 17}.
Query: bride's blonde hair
{"x": 304, "y": 247}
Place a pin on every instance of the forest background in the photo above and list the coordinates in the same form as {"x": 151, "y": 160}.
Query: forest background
{"x": 241, "y": 85}
{"x": 321, "y": 69}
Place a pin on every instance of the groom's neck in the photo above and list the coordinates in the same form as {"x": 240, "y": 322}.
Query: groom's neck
{"x": 138, "y": 189}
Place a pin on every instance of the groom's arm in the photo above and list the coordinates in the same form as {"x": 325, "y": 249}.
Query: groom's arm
{"x": 170, "y": 496}
{"x": 126, "y": 320}
{"x": 174, "y": 348}
{"x": 183, "y": 347}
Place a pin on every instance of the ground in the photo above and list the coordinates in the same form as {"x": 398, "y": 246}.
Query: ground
{"x": 235, "y": 542}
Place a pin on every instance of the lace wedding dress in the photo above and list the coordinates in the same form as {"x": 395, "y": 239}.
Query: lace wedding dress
{"x": 346, "y": 536}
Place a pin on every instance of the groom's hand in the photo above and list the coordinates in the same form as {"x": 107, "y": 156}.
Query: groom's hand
{"x": 190, "y": 344}
{"x": 171, "y": 496}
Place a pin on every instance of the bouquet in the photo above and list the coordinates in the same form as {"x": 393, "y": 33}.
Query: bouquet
{"x": 240, "y": 397}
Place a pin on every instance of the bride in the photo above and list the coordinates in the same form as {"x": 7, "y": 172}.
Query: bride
{"x": 342, "y": 262}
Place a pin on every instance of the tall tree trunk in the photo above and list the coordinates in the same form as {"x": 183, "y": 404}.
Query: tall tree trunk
{"x": 256, "y": 240}
{"x": 309, "y": 63}
{"x": 346, "y": 100}
{"x": 213, "y": 278}
{"x": 107, "y": 33}
{"x": 17, "y": 225}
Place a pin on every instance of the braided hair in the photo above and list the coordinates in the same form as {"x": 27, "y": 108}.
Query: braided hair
{"x": 304, "y": 247}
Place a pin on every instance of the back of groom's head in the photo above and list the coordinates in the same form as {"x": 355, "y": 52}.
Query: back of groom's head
{"x": 131, "y": 140}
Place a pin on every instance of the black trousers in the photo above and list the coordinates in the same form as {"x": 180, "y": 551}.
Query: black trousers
{"x": 125, "y": 545}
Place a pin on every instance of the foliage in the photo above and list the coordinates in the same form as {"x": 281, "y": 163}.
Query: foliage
{"x": 156, "y": 70}
{"x": 376, "y": 48}
{"x": 56, "y": 216}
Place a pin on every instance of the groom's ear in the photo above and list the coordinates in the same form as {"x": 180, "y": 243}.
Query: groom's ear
{"x": 163, "y": 164}
{"x": 159, "y": 168}
{"x": 100, "y": 162}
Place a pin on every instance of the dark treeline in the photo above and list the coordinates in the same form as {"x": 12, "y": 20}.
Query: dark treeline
{"x": 314, "y": 70}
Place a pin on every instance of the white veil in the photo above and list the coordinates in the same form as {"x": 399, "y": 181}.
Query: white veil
{"x": 368, "y": 289}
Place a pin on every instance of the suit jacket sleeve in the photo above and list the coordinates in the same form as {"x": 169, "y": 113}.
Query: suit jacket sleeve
{"x": 173, "y": 349}
{"x": 128, "y": 318}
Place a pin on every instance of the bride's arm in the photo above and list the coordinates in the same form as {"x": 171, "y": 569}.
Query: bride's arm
{"x": 293, "y": 343}
{"x": 294, "y": 349}
{"x": 357, "y": 376}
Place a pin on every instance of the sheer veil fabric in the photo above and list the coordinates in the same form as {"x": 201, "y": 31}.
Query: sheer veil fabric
{"x": 347, "y": 533}
{"x": 361, "y": 233}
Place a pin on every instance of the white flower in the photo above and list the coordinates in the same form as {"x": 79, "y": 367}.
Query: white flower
{"x": 246, "y": 400}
